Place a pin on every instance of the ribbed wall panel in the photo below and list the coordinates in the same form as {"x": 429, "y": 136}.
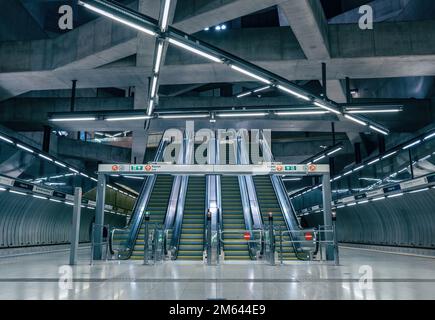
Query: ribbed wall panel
{"x": 28, "y": 221}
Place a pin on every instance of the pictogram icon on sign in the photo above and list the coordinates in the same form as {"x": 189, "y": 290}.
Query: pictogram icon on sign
{"x": 279, "y": 168}
{"x": 115, "y": 168}
{"x": 312, "y": 168}
{"x": 247, "y": 236}
{"x": 148, "y": 167}
{"x": 308, "y": 236}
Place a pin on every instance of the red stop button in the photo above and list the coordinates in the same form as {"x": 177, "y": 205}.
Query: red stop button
{"x": 308, "y": 236}
{"x": 247, "y": 236}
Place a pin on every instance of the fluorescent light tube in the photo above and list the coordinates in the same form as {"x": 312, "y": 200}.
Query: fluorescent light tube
{"x": 165, "y": 17}
{"x": 194, "y": 50}
{"x": 389, "y": 155}
{"x": 6, "y": 139}
{"x": 242, "y": 114}
{"x": 351, "y": 204}
{"x": 244, "y": 94}
{"x": 429, "y": 136}
{"x": 336, "y": 178}
{"x": 373, "y": 111}
{"x": 24, "y": 148}
{"x": 412, "y": 144}
{"x": 421, "y": 190}
{"x": 69, "y": 203}
{"x": 299, "y": 113}
{"x": 355, "y": 120}
{"x": 373, "y": 161}
{"x": 335, "y": 151}
{"x": 319, "y": 158}
{"x": 73, "y": 170}
{"x": 321, "y": 105}
{"x": 261, "y": 89}
{"x": 73, "y": 119}
{"x": 111, "y": 16}
{"x": 250, "y": 74}
{"x": 362, "y": 202}
{"x": 301, "y": 96}
{"x": 347, "y": 173}
{"x": 54, "y": 200}
{"x": 84, "y": 175}
{"x": 291, "y": 179}
{"x": 158, "y": 58}
{"x": 395, "y": 195}
{"x": 379, "y": 130}
{"x": 129, "y": 118}
{"x": 378, "y": 199}
{"x": 60, "y": 164}
{"x": 17, "y": 192}
{"x": 182, "y": 116}
{"x": 45, "y": 157}
{"x": 154, "y": 87}
{"x": 93, "y": 179}
{"x": 39, "y": 197}
{"x": 357, "y": 169}
{"x": 2, "y": 189}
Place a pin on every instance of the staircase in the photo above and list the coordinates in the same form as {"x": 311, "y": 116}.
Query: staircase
{"x": 268, "y": 202}
{"x": 235, "y": 247}
{"x": 191, "y": 245}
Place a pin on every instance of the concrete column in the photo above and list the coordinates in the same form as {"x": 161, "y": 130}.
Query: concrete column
{"x": 327, "y": 214}
{"x": 75, "y": 230}
{"x": 99, "y": 217}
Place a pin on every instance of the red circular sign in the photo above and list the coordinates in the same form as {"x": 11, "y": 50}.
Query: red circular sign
{"x": 148, "y": 167}
{"x": 279, "y": 168}
{"x": 312, "y": 167}
{"x": 115, "y": 168}
{"x": 247, "y": 236}
{"x": 308, "y": 236}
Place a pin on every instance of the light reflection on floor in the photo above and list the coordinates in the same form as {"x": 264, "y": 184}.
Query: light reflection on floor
{"x": 394, "y": 277}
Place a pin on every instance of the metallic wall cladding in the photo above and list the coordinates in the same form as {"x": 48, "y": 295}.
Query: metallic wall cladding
{"x": 407, "y": 221}
{"x": 27, "y": 221}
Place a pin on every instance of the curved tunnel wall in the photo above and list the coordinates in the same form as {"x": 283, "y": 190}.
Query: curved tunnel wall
{"x": 28, "y": 221}
{"x": 406, "y": 221}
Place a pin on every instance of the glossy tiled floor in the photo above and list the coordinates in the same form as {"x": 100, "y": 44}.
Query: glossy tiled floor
{"x": 394, "y": 277}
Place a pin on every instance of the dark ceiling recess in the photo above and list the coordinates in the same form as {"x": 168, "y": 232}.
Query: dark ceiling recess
{"x": 334, "y": 8}
{"x": 262, "y": 19}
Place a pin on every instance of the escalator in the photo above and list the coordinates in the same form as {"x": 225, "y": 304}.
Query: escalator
{"x": 191, "y": 243}
{"x": 156, "y": 207}
{"x": 235, "y": 247}
{"x": 268, "y": 202}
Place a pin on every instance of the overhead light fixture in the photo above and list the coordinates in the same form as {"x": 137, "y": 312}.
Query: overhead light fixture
{"x": 159, "y": 56}
{"x": 129, "y": 118}
{"x": 291, "y": 179}
{"x": 73, "y": 119}
{"x": 242, "y": 114}
{"x": 336, "y": 178}
{"x": 366, "y": 111}
{"x": 261, "y": 89}
{"x": 412, "y": 144}
{"x": 165, "y": 17}
{"x": 250, "y": 74}
{"x": 39, "y": 197}
{"x": 334, "y": 151}
{"x": 194, "y": 50}
{"x": 355, "y": 120}
{"x": 244, "y": 94}
{"x": 223, "y": 27}
{"x": 321, "y": 105}
{"x": 379, "y": 130}
{"x": 420, "y": 190}
{"x": 359, "y": 168}
{"x": 123, "y": 21}
{"x": 73, "y": 170}
{"x": 60, "y": 164}
{"x": 395, "y": 195}
{"x": 389, "y": 155}
{"x": 429, "y": 136}
{"x": 347, "y": 173}
{"x": 24, "y": 148}
{"x": 6, "y": 139}
{"x": 18, "y": 192}
{"x": 301, "y": 96}
{"x": 154, "y": 87}
{"x": 45, "y": 157}
{"x": 84, "y": 175}
{"x": 373, "y": 161}
{"x": 183, "y": 116}
{"x": 299, "y": 113}
{"x": 2, "y": 189}
{"x": 319, "y": 158}
{"x": 378, "y": 199}
{"x": 218, "y": 28}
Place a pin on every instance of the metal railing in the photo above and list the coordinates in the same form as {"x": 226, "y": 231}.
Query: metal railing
{"x": 97, "y": 246}
{"x": 255, "y": 240}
